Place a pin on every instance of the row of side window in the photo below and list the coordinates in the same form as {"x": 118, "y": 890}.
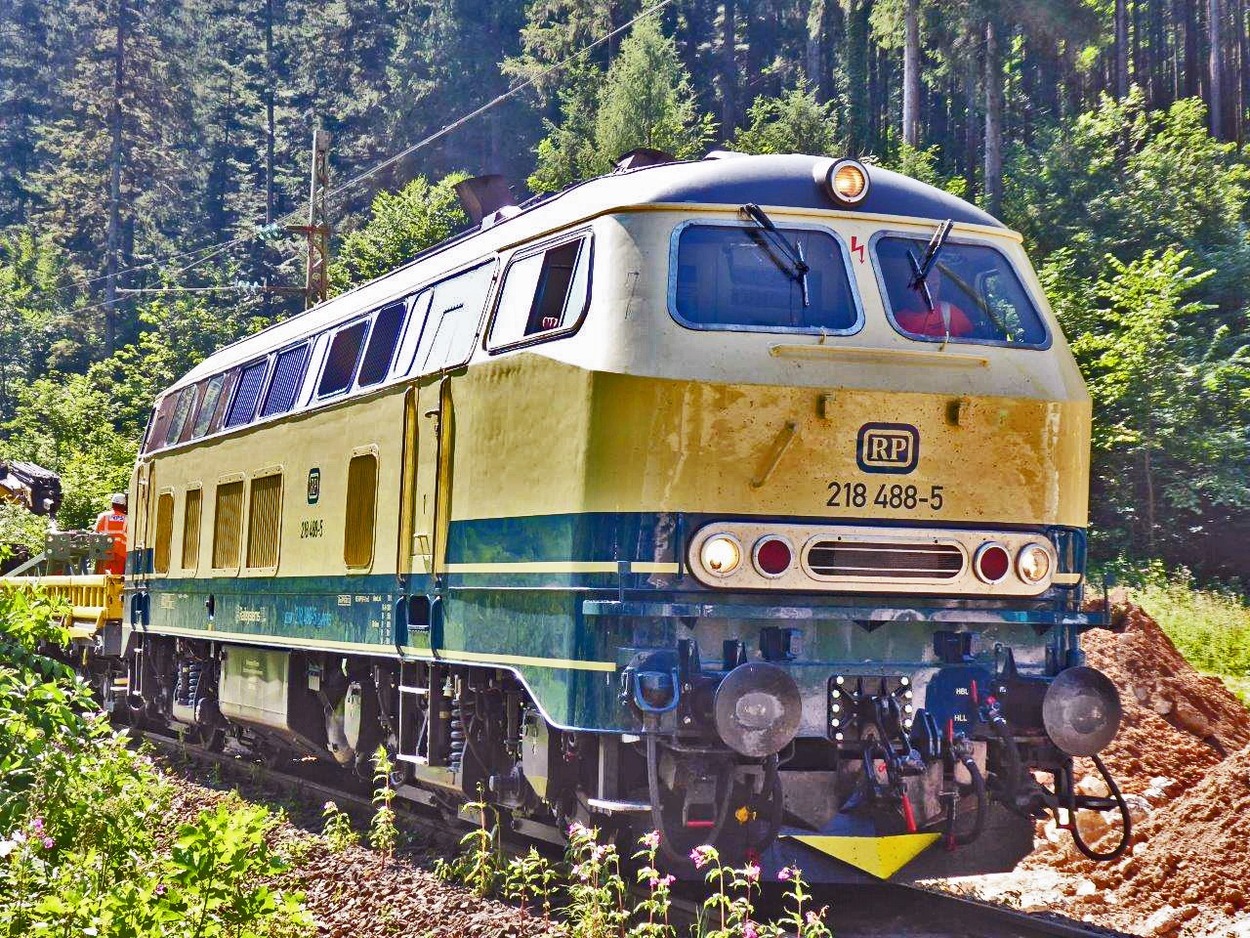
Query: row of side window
{"x": 263, "y": 494}
{"x": 544, "y": 294}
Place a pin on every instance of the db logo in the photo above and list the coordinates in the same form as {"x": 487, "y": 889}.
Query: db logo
{"x": 887, "y": 447}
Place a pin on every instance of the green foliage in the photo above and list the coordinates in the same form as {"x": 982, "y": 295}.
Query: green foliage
{"x": 1170, "y": 405}
{"x": 19, "y": 526}
{"x": 401, "y": 226}
{"x": 596, "y": 890}
{"x": 337, "y": 828}
{"x": 530, "y": 878}
{"x": 644, "y": 100}
{"x": 383, "y": 834}
{"x": 86, "y": 843}
{"x": 795, "y": 122}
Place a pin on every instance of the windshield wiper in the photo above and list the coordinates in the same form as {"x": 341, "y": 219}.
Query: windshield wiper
{"x": 920, "y": 268}
{"x": 791, "y": 255}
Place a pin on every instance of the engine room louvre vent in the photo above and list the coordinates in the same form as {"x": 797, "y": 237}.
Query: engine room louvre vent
{"x": 858, "y": 560}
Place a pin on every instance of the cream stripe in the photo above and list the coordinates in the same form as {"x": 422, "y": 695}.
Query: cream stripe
{"x": 254, "y": 639}
{"x": 454, "y": 655}
{"x": 544, "y": 566}
{"x": 643, "y": 566}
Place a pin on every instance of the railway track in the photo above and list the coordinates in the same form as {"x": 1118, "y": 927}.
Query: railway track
{"x": 878, "y": 910}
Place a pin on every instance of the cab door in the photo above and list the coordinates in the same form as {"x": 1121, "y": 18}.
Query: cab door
{"x": 426, "y": 499}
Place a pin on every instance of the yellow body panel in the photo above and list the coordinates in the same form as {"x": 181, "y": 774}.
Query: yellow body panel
{"x": 93, "y": 598}
{"x": 620, "y": 443}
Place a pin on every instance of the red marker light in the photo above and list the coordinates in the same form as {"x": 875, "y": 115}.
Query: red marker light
{"x": 773, "y": 556}
{"x": 992, "y": 563}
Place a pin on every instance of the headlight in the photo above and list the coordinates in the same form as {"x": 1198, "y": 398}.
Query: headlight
{"x": 846, "y": 181}
{"x": 721, "y": 555}
{"x": 1033, "y": 563}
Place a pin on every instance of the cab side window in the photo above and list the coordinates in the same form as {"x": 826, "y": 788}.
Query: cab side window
{"x": 543, "y": 291}
{"x": 451, "y": 329}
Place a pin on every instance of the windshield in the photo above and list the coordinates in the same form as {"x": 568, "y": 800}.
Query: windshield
{"x": 974, "y": 294}
{"x": 737, "y": 277}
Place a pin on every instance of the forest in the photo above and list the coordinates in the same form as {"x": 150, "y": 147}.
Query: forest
{"x": 152, "y": 153}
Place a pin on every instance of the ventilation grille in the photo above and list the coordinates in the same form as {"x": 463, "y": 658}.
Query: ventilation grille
{"x": 191, "y": 529}
{"x": 263, "y": 521}
{"x": 858, "y": 560}
{"x": 164, "y": 532}
{"x": 227, "y": 525}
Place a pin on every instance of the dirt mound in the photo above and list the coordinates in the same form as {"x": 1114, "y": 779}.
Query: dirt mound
{"x": 1189, "y": 865}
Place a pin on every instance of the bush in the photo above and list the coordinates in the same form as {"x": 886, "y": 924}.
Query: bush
{"x": 86, "y": 842}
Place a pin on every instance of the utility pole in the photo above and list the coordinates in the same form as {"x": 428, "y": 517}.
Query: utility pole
{"x": 317, "y": 231}
{"x": 113, "y": 245}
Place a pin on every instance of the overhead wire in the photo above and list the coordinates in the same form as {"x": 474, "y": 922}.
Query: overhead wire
{"x": 214, "y": 250}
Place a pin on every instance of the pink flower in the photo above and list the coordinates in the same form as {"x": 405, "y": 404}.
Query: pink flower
{"x": 48, "y": 843}
{"x": 666, "y": 880}
{"x": 160, "y": 890}
{"x": 752, "y": 873}
{"x": 651, "y": 841}
{"x": 577, "y": 829}
{"x": 330, "y": 806}
{"x": 784, "y": 874}
{"x": 37, "y": 825}
{"x": 813, "y": 918}
{"x": 749, "y": 930}
{"x": 701, "y": 856}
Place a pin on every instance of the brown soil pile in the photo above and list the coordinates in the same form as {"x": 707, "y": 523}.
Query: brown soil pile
{"x": 1182, "y": 757}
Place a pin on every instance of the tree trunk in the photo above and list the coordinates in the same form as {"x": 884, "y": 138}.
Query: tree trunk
{"x": 1121, "y": 49}
{"x": 993, "y": 121}
{"x": 1193, "y": 79}
{"x": 1241, "y": 71}
{"x": 728, "y": 72}
{"x": 1215, "y": 15}
{"x": 911, "y": 73}
{"x": 970, "y": 112}
{"x": 115, "y": 186}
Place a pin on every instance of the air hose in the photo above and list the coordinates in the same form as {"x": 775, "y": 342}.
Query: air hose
{"x": 954, "y": 840}
{"x": 1127, "y": 827}
{"x": 657, "y": 809}
{"x": 1011, "y": 753}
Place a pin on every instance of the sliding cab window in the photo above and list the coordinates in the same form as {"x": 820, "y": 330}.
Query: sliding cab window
{"x": 341, "y": 360}
{"x": 971, "y": 294}
{"x": 387, "y": 326}
{"x": 544, "y": 293}
{"x": 247, "y": 394}
{"x": 453, "y": 323}
{"x": 288, "y": 376}
{"x": 739, "y": 277}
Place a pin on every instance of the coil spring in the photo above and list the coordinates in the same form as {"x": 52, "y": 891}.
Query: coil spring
{"x": 455, "y": 737}
{"x": 187, "y": 690}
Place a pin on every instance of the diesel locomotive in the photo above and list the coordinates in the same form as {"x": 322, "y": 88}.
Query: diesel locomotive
{"x": 742, "y": 499}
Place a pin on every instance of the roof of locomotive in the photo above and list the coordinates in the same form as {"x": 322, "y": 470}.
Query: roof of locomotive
{"x": 786, "y": 181}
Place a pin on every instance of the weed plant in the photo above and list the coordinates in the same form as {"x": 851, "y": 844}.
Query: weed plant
{"x": 87, "y": 846}
{"x": 337, "y": 828}
{"x": 383, "y": 833}
{"x": 589, "y": 898}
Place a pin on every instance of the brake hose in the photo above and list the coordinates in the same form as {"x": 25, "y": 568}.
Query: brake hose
{"x": 1012, "y": 754}
{"x": 657, "y": 810}
{"x": 1127, "y": 830}
{"x": 978, "y": 786}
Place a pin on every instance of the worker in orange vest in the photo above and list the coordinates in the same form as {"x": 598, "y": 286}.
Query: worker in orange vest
{"x": 113, "y": 523}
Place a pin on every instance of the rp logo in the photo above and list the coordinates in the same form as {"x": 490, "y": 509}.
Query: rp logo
{"x": 887, "y": 447}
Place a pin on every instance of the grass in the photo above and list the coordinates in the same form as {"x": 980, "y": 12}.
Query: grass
{"x": 1210, "y": 627}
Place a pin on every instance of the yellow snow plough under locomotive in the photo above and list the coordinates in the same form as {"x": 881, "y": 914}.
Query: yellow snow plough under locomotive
{"x": 742, "y": 499}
